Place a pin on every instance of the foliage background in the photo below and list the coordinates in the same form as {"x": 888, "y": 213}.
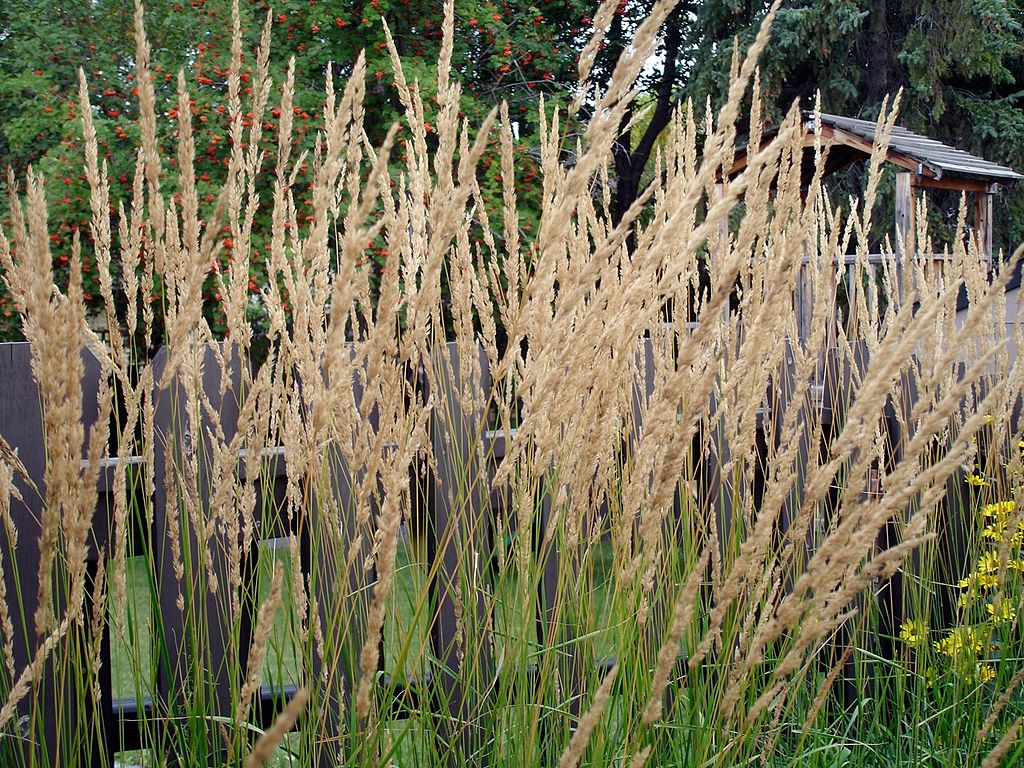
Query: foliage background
{"x": 959, "y": 63}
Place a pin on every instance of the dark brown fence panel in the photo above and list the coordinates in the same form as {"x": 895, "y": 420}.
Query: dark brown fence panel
{"x": 650, "y": 354}
{"x": 64, "y": 731}
{"x": 335, "y": 540}
{"x": 458, "y": 547}
{"x": 840, "y": 377}
{"x": 193, "y": 573}
{"x": 898, "y": 428}
{"x": 335, "y": 545}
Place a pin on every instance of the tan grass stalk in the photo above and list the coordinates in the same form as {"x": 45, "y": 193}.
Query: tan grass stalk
{"x": 13, "y": 464}
{"x": 148, "y": 449}
{"x": 133, "y": 408}
{"x": 97, "y": 623}
{"x": 667, "y": 655}
{"x": 1000, "y": 705}
{"x": 639, "y": 760}
{"x": 78, "y": 520}
{"x": 33, "y": 672}
{"x": 995, "y": 757}
{"x": 826, "y": 688}
{"x": 194, "y": 246}
{"x": 395, "y": 482}
{"x": 581, "y": 737}
{"x": 258, "y": 648}
{"x": 243, "y": 199}
{"x": 99, "y": 203}
{"x": 173, "y": 515}
{"x": 7, "y": 492}
{"x": 588, "y": 56}
{"x": 54, "y": 324}
{"x": 130, "y": 229}
{"x": 266, "y": 746}
{"x": 300, "y": 602}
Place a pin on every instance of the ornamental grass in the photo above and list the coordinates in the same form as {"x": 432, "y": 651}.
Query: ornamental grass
{"x": 710, "y": 485}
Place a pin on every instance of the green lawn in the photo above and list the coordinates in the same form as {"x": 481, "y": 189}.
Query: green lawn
{"x": 406, "y": 642}
{"x": 133, "y": 651}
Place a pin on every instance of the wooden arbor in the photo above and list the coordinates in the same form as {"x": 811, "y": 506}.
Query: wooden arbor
{"x": 926, "y": 164}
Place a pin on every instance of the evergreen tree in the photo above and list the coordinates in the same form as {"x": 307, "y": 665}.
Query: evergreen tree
{"x": 958, "y": 64}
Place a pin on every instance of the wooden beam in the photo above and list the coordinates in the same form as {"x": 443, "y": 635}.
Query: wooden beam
{"x": 864, "y": 145}
{"x": 743, "y": 160}
{"x": 956, "y": 185}
{"x": 983, "y": 222}
{"x": 904, "y": 213}
{"x": 836, "y": 136}
{"x": 905, "y": 232}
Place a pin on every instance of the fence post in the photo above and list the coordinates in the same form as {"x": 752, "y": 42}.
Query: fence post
{"x": 648, "y": 359}
{"x": 983, "y": 221}
{"x": 783, "y": 400}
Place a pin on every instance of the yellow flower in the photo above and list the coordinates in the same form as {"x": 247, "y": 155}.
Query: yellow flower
{"x": 970, "y": 586}
{"x": 994, "y": 532}
{"x": 988, "y": 569}
{"x": 914, "y": 633}
{"x": 999, "y": 509}
{"x": 988, "y": 580}
{"x": 989, "y": 563}
{"x": 930, "y": 676}
{"x": 976, "y": 480}
{"x": 1005, "y": 612}
{"x": 984, "y": 673}
{"x": 961, "y": 642}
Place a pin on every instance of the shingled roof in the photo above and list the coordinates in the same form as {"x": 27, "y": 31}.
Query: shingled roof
{"x": 934, "y": 164}
{"x": 941, "y": 159}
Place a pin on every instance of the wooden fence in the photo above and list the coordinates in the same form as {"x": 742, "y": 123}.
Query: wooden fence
{"x": 456, "y": 528}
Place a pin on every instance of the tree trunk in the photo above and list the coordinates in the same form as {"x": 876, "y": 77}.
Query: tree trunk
{"x": 629, "y": 161}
